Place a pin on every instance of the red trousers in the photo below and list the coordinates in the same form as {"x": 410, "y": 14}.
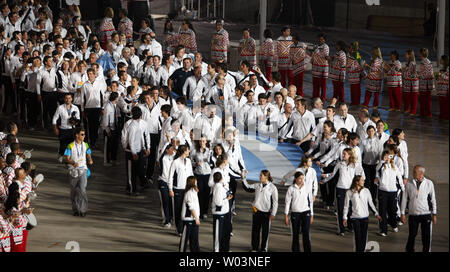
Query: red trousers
{"x": 338, "y": 90}
{"x": 443, "y": 107}
{"x": 410, "y": 101}
{"x": 355, "y": 92}
{"x": 21, "y": 247}
{"x": 284, "y": 74}
{"x": 376, "y": 98}
{"x": 318, "y": 84}
{"x": 425, "y": 103}
{"x": 395, "y": 97}
{"x": 298, "y": 82}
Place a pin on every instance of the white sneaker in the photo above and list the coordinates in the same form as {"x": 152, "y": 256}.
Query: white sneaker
{"x": 205, "y": 216}
{"x": 341, "y": 233}
{"x": 60, "y": 159}
{"x": 395, "y": 229}
{"x": 383, "y": 234}
{"x": 400, "y": 223}
{"x": 167, "y": 226}
{"x": 234, "y": 213}
{"x": 231, "y": 234}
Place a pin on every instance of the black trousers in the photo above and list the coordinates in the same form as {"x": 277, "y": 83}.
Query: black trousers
{"x": 178, "y": 205}
{"x": 21, "y": 103}
{"x": 49, "y": 105}
{"x": 425, "y": 226}
{"x": 65, "y": 138}
{"x": 340, "y": 201}
{"x": 134, "y": 170}
{"x": 221, "y": 232}
{"x": 166, "y": 202}
{"x": 32, "y": 108}
{"x": 203, "y": 193}
{"x": 111, "y": 146}
{"x": 305, "y": 146}
{"x": 261, "y": 222}
{"x": 360, "y": 228}
{"x": 10, "y": 98}
{"x": 93, "y": 123}
{"x": 388, "y": 209}
{"x": 233, "y": 189}
{"x": 154, "y": 142}
{"x": 190, "y": 234}
{"x": 300, "y": 224}
{"x": 330, "y": 186}
{"x": 370, "y": 171}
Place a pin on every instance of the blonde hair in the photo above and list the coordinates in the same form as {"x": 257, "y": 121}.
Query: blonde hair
{"x": 424, "y": 52}
{"x": 376, "y": 53}
{"x": 412, "y": 57}
{"x": 109, "y": 12}
{"x": 352, "y": 157}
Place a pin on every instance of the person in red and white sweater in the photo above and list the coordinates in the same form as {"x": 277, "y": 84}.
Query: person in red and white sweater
{"x": 426, "y": 83}
{"x": 354, "y": 71}
{"x": 320, "y": 68}
{"x": 266, "y": 54}
{"x": 410, "y": 84}
{"x": 394, "y": 81}
{"x": 374, "y": 78}
{"x": 298, "y": 59}
{"x": 337, "y": 71}
{"x": 442, "y": 88}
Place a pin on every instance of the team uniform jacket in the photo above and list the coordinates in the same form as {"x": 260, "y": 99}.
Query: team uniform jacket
{"x": 360, "y": 203}
{"x": 420, "y": 199}
{"x": 283, "y": 51}
{"x": 394, "y": 75}
{"x": 442, "y": 83}
{"x": 298, "y": 57}
{"x": 267, "y": 52}
{"x": 338, "y": 67}
{"x": 426, "y": 76}
{"x": 410, "y": 78}
{"x": 187, "y": 39}
{"x": 219, "y": 45}
{"x": 319, "y": 61}
{"x": 266, "y": 196}
{"x": 354, "y": 70}
{"x": 248, "y": 50}
{"x": 298, "y": 200}
{"x": 374, "y": 76}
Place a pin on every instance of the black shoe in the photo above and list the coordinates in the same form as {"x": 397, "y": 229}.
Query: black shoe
{"x": 76, "y": 214}
{"x": 82, "y": 214}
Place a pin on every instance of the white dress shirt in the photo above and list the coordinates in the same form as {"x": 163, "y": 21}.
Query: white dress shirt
{"x": 195, "y": 87}
{"x": 93, "y": 94}
{"x": 64, "y": 113}
{"x": 349, "y": 122}
{"x": 301, "y": 124}
{"x": 371, "y": 149}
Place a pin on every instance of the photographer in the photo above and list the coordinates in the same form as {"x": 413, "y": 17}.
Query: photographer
{"x": 70, "y": 118}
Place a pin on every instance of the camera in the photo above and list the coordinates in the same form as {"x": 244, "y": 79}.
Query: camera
{"x": 73, "y": 120}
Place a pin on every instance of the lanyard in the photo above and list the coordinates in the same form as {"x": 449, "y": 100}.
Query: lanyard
{"x": 79, "y": 152}
{"x": 69, "y": 111}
